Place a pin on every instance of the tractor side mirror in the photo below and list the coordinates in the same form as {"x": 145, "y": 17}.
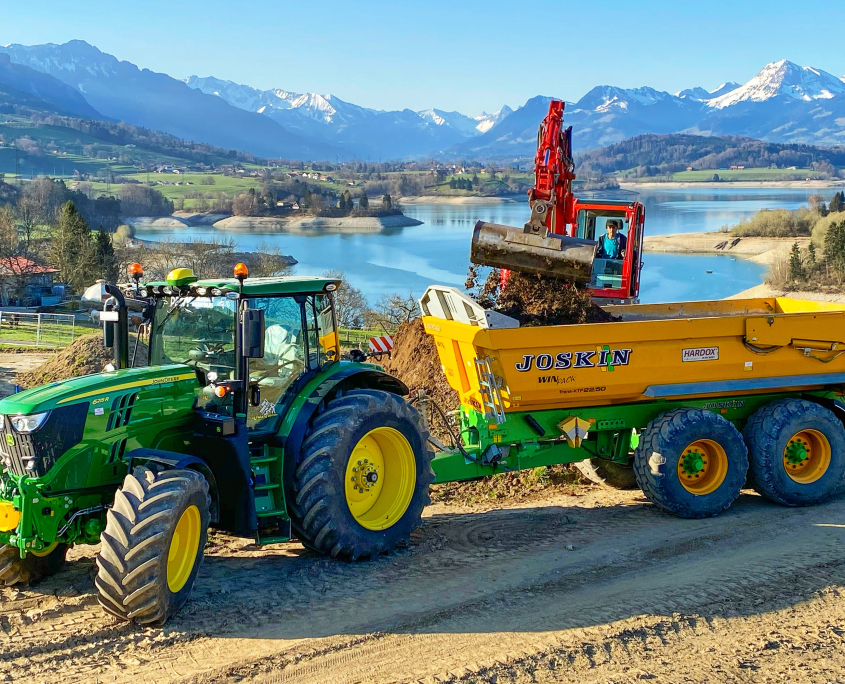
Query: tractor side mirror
{"x": 252, "y": 333}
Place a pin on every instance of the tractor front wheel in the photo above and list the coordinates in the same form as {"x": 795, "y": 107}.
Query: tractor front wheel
{"x": 153, "y": 544}
{"x": 36, "y": 565}
{"x": 362, "y": 478}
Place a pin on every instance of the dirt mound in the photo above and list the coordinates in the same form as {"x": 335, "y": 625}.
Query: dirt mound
{"x": 83, "y": 356}
{"x": 535, "y": 300}
{"x": 415, "y": 362}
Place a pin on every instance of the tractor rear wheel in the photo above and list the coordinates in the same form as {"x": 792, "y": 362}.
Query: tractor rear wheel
{"x": 608, "y": 473}
{"x": 153, "y": 544}
{"x": 362, "y": 478}
{"x": 797, "y": 452}
{"x": 691, "y": 462}
{"x": 36, "y": 565}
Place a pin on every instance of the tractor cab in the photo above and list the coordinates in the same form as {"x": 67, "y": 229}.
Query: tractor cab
{"x": 617, "y": 263}
{"x": 249, "y": 341}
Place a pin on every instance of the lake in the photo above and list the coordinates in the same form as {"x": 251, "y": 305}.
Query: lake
{"x": 409, "y": 259}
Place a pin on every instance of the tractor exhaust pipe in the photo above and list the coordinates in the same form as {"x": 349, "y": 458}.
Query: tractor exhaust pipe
{"x": 526, "y": 251}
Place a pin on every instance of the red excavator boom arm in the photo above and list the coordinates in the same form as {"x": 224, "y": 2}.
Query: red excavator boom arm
{"x": 551, "y": 198}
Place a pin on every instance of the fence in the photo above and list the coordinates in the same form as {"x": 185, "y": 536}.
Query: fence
{"x": 44, "y": 330}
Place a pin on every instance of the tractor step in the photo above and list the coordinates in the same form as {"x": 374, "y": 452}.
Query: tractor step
{"x": 259, "y": 460}
{"x": 273, "y": 540}
{"x": 270, "y": 514}
{"x": 267, "y": 486}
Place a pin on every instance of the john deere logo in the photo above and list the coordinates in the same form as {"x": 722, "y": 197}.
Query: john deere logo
{"x": 10, "y": 440}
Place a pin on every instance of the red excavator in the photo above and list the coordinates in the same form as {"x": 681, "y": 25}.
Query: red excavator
{"x": 565, "y": 236}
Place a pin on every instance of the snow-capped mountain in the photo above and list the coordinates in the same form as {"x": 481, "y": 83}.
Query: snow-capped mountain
{"x": 784, "y": 102}
{"x": 486, "y": 121}
{"x": 784, "y": 78}
{"x": 360, "y": 129}
{"x": 120, "y": 90}
{"x": 702, "y": 94}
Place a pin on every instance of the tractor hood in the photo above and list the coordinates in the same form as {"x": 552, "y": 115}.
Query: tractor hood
{"x": 92, "y": 387}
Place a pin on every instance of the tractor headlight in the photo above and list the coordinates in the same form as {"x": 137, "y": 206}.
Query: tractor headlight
{"x": 30, "y": 423}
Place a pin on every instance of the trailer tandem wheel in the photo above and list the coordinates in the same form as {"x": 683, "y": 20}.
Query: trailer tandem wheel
{"x": 362, "y": 478}
{"x": 153, "y": 544}
{"x": 691, "y": 462}
{"x": 797, "y": 452}
{"x": 37, "y": 564}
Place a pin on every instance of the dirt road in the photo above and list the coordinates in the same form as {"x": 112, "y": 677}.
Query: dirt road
{"x": 599, "y": 587}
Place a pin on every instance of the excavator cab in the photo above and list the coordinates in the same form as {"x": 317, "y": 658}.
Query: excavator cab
{"x": 614, "y": 276}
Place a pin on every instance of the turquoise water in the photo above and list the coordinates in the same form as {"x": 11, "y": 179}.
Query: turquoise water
{"x": 409, "y": 259}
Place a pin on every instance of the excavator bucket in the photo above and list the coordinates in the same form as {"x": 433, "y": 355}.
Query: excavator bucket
{"x": 527, "y": 251}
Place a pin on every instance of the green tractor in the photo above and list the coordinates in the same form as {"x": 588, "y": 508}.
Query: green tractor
{"x": 244, "y": 418}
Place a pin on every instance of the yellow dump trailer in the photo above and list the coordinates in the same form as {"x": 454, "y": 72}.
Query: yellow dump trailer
{"x": 613, "y": 392}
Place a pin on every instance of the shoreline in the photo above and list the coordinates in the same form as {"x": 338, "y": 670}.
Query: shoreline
{"x": 761, "y": 250}
{"x": 765, "y": 291}
{"x": 459, "y": 199}
{"x": 676, "y": 185}
{"x": 312, "y": 223}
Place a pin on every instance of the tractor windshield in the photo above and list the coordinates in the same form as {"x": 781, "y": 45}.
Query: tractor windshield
{"x": 198, "y": 331}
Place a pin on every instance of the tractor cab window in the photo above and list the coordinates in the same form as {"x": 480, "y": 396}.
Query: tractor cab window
{"x": 299, "y": 336}
{"x": 199, "y": 332}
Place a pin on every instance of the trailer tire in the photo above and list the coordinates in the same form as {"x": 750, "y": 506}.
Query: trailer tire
{"x": 608, "y": 473}
{"x": 797, "y": 452}
{"x": 389, "y": 506}
{"x": 17, "y": 570}
{"x": 691, "y": 463}
{"x": 153, "y": 544}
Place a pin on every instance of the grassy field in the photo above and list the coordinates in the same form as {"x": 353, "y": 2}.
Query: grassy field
{"x": 762, "y": 174}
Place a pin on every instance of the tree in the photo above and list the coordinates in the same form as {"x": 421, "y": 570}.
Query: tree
{"x": 71, "y": 249}
{"x": 386, "y": 202}
{"x": 816, "y": 203}
{"x": 364, "y": 201}
{"x": 837, "y": 203}
{"x": 834, "y": 247}
{"x": 207, "y": 180}
{"x": 350, "y": 303}
{"x": 796, "y": 266}
{"x": 245, "y": 205}
{"x": 142, "y": 200}
{"x": 391, "y": 310}
{"x": 811, "y": 255}
{"x": 104, "y": 257}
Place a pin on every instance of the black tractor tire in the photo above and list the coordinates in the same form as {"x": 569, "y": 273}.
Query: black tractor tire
{"x": 133, "y": 581}
{"x": 320, "y": 513}
{"x": 17, "y": 570}
{"x": 767, "y": 435}
{"x": 661, "y": 448}
{"x": 608, "y": 473}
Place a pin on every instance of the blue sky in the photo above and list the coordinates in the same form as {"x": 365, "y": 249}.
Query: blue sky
{"x": 457, "y": 54}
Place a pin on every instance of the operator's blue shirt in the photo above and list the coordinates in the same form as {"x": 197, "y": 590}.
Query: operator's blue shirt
{"x": 612, "y": 248}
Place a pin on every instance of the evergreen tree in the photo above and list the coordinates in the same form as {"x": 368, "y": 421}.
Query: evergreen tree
{"x": 837, "y": 203}
{"x": 71, "y": 249}
{"x": 811, "y": 251}
{"x": 386, "y": 202}
{"x": 364, "y": 201}
{"x": 834, "y": 247}
{"x": 453, "y": 183}
{"x": 107, "y": 267}
{"x": 796, "y": 267}
{"x": 469, "y": 185}
{"x": 347, "y": 200}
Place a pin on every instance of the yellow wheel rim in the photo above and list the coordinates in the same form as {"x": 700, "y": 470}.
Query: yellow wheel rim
{"x": 45, "y": 552}
{"x": 806, "y": 456}
{"x": 183, "y": 549}
{"x": 380, "y": 478}
{"x": 702, "y": 467}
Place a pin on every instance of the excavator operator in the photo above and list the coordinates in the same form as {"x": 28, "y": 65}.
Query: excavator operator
{"x": 613, "y": 244}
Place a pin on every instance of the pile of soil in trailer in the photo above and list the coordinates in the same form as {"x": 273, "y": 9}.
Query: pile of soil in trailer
{"x": 83, "y": 356}
{"x": 535, "y": 300}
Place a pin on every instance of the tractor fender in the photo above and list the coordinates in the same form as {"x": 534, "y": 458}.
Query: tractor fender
{"x": 173, "y": 460}
{"x": 349, "y": 378}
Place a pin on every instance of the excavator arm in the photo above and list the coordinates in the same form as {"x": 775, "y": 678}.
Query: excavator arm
{"x": 545, "y": 244}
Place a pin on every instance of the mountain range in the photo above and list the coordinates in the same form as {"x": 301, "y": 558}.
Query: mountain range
{"x": 784, "y": 102}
